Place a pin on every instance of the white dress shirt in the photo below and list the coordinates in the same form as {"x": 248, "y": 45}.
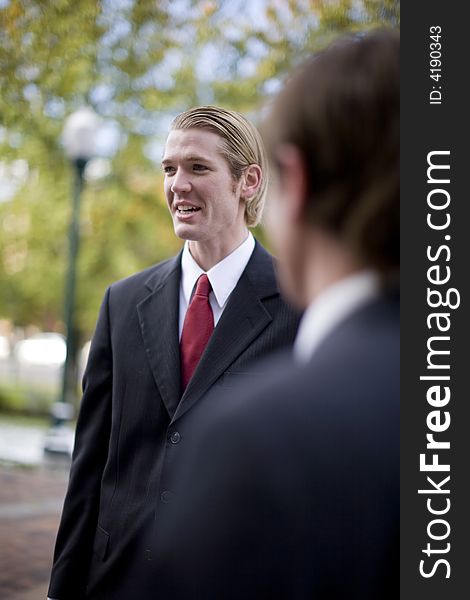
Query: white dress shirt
{"x": 330, "y": 307}
{"x": 223, "y": 278}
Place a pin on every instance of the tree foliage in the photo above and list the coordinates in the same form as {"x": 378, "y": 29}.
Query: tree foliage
{"x": 138, "y": 63}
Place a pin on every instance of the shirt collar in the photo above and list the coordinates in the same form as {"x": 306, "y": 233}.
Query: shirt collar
{"x": 223, "y": 276}
{"x": 330, "y": 307}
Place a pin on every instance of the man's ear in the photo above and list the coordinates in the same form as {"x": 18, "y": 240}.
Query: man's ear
{"x": 252, "y": 178}
{"x": 292, "y": 181}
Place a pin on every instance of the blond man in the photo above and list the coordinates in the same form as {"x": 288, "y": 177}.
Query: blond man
{"x": 164, "y": 338}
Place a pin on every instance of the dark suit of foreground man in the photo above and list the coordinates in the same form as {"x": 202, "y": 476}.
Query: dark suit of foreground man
{"x": 292, "y": 488}
{"x": 134, "y": 422}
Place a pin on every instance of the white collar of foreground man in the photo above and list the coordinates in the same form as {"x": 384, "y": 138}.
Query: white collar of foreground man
{"x": 330, "y": 307}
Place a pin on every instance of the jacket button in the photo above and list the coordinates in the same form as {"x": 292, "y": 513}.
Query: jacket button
{"x": 175, "y": 437}
{"x": 166, "y": 496}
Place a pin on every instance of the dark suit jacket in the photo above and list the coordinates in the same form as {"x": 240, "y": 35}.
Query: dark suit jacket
{"x": 133, "y": 426}
{"x": 299, "y": 496}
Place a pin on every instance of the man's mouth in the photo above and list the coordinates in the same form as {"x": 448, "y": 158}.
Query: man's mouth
{"x": 186, "y": 210}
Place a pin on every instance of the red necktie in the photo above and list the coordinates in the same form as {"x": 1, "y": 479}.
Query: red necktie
{"x": 197, "y": 329}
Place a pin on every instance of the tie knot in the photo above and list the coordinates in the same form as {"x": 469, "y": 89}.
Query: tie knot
{"x": 203, "y": 286}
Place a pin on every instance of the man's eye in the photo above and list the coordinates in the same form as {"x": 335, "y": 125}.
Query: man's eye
{"x": 168, "y": 170}
{"x": 197, "y": 167}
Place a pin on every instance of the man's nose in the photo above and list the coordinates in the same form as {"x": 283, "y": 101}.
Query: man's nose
{"x": 181, "y": 182}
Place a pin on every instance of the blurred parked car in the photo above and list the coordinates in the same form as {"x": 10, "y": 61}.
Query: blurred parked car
{"x": 33, "y": 367}
{"x": 38, "y": 362}
{"x": 42, "y": 349}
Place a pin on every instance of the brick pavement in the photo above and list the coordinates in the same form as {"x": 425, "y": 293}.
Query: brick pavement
{"x": 36, "y": 593}
{"x": 30, "y": 504}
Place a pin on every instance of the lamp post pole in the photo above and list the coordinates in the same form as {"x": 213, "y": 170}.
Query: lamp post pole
{"x": 69, "y": 380}
{"x": 79, "y": 144}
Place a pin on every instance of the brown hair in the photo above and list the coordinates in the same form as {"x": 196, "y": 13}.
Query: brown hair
{"x": 341, "y": 110}
{"x": 241, "y": 146}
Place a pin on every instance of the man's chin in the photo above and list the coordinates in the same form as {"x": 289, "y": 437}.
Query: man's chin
{"x": 187, "y": 232}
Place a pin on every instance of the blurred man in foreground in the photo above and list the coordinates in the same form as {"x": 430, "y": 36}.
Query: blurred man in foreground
{"x": 292, "y": 491}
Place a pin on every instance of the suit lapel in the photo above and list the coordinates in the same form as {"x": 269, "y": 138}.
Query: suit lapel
{"x": 158, "y": 318}
{"x": 242, "y": 321}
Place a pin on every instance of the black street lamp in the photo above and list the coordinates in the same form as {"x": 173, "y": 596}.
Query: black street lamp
{"x": 79, "y": 138}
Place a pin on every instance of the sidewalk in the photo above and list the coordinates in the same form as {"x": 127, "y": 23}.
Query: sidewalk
{"x": 30, "y": 504}
{"x": 38, "y": 593}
